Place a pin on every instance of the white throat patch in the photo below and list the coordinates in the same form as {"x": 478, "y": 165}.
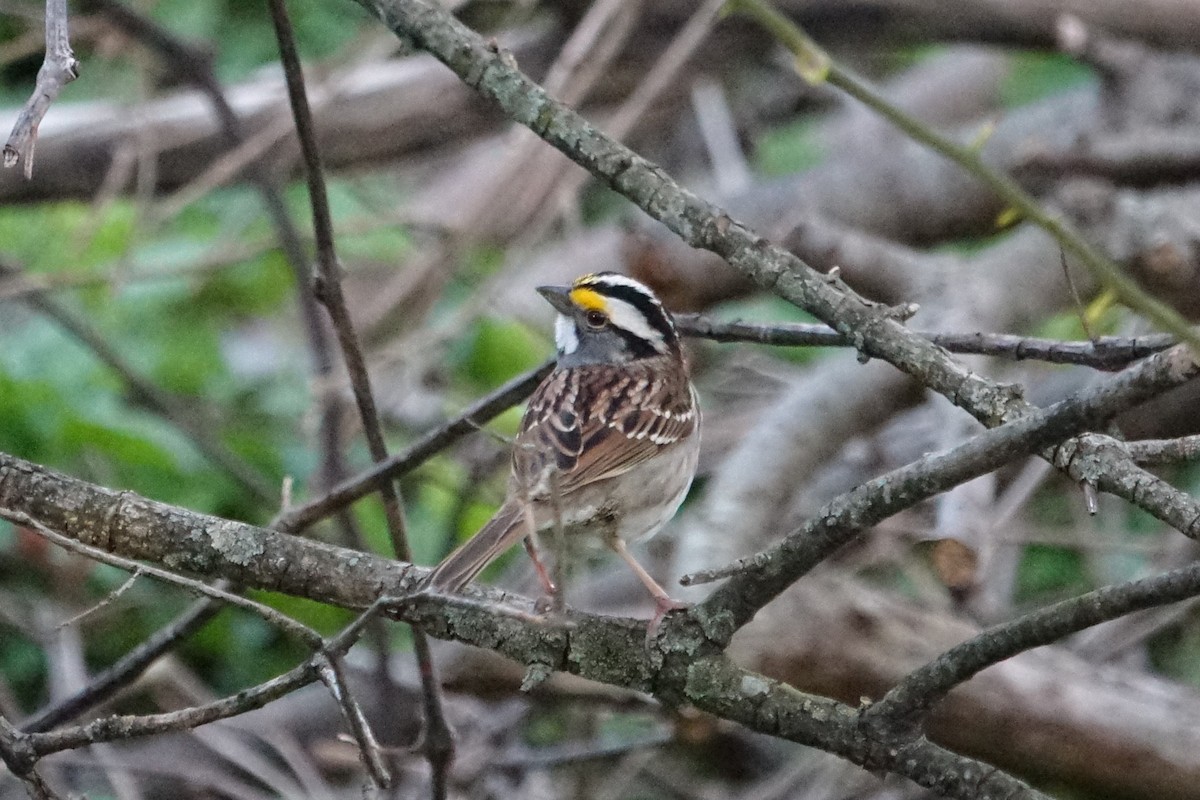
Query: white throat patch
{"x": 565, "y": 337}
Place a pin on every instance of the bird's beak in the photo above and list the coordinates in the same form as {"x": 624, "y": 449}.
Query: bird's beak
{"x": 559, "y": 297}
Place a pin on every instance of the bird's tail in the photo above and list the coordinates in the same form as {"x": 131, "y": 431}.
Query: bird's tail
{"x": 459, "y": 568}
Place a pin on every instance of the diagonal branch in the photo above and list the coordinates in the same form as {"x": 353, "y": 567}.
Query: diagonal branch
{"x": 816, "y": 67}
{"x": 58, "y": 69}
{"x": 924, "y": 687}
{"x": 874, "y": 330}
{"x": 682, "y": 667}
{"x": 125, "y": 670}
{"x": 760, "y": 578}
{"x": 482, "y": 411}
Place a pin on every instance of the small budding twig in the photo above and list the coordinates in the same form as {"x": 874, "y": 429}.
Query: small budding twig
{"x": 815, "y": 66}
{"x": 59, "y": 68}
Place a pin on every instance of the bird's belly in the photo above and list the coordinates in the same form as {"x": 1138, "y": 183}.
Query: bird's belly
{"x": 634, "y": 505}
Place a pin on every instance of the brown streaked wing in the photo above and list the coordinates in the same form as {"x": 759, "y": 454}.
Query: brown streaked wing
{"x": 622, "y": 420}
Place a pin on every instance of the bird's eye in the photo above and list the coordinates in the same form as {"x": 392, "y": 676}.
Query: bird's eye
{"x": 596, "y": 319}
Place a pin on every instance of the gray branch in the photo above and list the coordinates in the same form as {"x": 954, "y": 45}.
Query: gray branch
{"x": 58, "y": 69}
{"x": 682, "y": 666}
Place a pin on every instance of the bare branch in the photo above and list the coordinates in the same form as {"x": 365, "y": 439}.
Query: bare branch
{"x": 1165, "y": 451}
{"x": 684, "y": 664}
{"x": 21, "y": 750}
{"x": 924, "y": 687}
{"x": 126, "y": 670}
{"x": 817, "y": 67}
{"x": 1104, "y": 352}
{"x": 58, "y": 69}
{"x": 273, "y": 617}
{"x": 20, "y": 759}
{"x": 333, "y": 676}
{"x": 438, "y": 740}
{"x": 478, "y": 413}
{"x": 759, "y": 578}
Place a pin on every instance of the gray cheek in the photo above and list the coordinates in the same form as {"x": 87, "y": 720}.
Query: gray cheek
{"x": 596, "y": 347}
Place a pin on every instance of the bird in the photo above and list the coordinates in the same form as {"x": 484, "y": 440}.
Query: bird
{"x": 608, "y": 445}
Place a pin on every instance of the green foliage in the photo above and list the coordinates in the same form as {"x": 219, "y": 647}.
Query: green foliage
{"x": 499, "y": 349}
{"x": 793, "y": 147}
{"x": 1037, "y": 75}
{"x": 183, "y": 331}
{"x": 1174, "y": 649}
{"x": 22, "y": 663}
{"x": 1047, "y": 572}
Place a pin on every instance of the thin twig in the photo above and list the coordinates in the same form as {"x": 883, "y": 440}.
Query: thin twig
{"x": 1104, "y": 352}
{"x": 816, "y": 66}
{"x": 438, "y": 740}
{"x": 333, "y": 676}
{"x": 1080, "y": 308}
{"x": 126, "y": 670}
{"x": 478, "y": 413}
{"x": 272, "y": 617}
{"x": 58, "y": 69}
{"x": 925, "y": 686}
{"x": 108, "y": 729}
{"x": 108, "y": 600}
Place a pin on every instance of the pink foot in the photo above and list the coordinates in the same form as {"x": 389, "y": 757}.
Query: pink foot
{"x": 662, "y": 606}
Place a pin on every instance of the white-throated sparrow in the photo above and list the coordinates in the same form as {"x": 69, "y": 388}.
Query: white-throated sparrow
{"x": 609, "y": 443}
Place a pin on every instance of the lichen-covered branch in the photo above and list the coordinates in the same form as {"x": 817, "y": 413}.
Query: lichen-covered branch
{"x": 681, "y": 666}
{"x": 875, "y": 330}
{"x": 759, "y": 578}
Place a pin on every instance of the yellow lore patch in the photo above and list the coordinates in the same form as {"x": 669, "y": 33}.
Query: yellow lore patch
{"x": 589, "y": 299}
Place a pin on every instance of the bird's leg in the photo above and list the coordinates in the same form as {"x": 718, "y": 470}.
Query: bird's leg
{"x": 543, "y": 574}
{"x": 550, "y": 598}
{"x": 663, "y": 603}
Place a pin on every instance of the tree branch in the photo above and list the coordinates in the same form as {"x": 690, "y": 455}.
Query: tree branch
{"x": 482, "y": 411}
{"x": 816, "y": 67}
{"x": 874, "y": 330}
{"x": 681, "y": 666}
{"x": 1103, "y": 352}
{"x": 924, "y": 687}
{"x": 58, "y": 69}
{"x": 759, "y": 578}
{"x": 438, "y": 742}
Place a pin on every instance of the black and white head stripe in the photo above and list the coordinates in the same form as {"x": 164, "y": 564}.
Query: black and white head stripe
{"x": 631, "y": 308}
